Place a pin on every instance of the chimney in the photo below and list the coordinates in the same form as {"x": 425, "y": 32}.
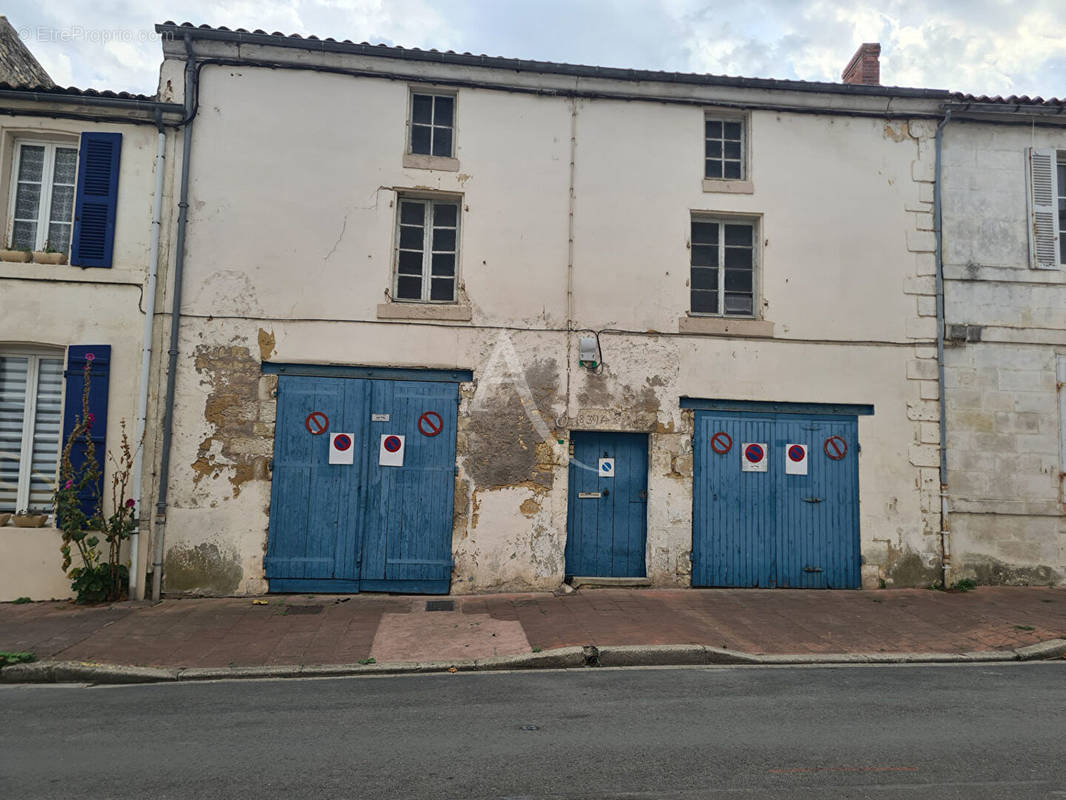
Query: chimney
{"x": 864, "y": 66}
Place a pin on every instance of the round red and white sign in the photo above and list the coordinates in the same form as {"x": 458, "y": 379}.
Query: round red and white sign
{"x": 342, "y": 442}
{"x": 392, "y": 443}
{"x": 754, "y": 453}
{"x": 796, "y": 452}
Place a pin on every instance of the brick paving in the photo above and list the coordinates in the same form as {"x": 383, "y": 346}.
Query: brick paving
{"x": 304, "y": 629}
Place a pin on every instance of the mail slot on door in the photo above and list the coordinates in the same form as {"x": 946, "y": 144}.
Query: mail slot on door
{"x": 588, "y": 495}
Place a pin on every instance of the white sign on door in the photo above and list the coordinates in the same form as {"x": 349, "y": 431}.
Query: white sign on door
{"x": 795, "y": 459}
{"x": 753, "y": 457}
{"x": 606, "y": 467}
{"x": 390, "y": 454}
{"x": 342, "y": 448}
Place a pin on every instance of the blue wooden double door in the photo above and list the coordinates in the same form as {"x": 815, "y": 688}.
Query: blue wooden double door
{"x": 362, "y": 526}
{"x": 606, "y": 522}
{"x": 774, "y": 529}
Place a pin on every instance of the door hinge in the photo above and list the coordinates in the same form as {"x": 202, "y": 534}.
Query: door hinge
{"x": 812, "y": 499}
{"x": 812, "y": 569}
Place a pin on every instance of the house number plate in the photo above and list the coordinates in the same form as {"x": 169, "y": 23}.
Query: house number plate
{"x": 588, "y": 495}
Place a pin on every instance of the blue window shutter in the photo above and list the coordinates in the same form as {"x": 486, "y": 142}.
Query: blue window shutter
{"x": 77, "y": 356}
{"x": 94, "y": 210}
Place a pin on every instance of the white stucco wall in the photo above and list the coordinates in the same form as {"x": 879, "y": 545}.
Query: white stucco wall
{"x": 292, "y": 211}
{"x": 58, "y": 306}
{"x": 1004, "y": 461}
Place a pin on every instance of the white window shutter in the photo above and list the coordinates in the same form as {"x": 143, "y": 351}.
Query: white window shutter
{"x": 1043, "y": 208}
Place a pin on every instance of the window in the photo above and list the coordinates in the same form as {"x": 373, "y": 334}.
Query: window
{"x": 723, "y": 149}
{"x": 42, "y": 196}
{"x": 432, "y": 124}
{"x": 723, "y": 267}
{"x": 427, "y": 249}
{"x": 31, "y": 396}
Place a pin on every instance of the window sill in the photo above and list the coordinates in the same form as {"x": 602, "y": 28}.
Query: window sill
{"x": 451, "y": 312}
{"x": 725, "y": 326}
{"x": 727, "y": 187}
{"x": 414, "y": 161}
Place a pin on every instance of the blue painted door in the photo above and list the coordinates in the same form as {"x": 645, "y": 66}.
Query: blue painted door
{"x": 774, "y": 529}
{"x": 607, "y": 516}
{"x": 347, "y": 528}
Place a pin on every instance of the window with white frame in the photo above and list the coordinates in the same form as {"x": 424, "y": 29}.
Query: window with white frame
{"x": 723, "y": 153}
{"x": 427, "y": 249}
{"x": 31, "y": 397}
{"x": 42, "y": 196}
{"x": 432, "y": 124}
{"x": 1060, "y": 168}
{"x": 722, "y": 279}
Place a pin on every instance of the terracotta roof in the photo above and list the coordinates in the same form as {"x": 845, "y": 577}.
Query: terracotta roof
{"x": 1012, "y": 100}
{"x": 59, "y": 91}
{"x": 330, "y": 44}
{"x": 17, "y": 64}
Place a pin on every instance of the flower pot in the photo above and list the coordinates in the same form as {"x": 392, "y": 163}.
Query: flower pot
{"x": 17, "y": 256}
{"x": 3, "y": 519}
{"x": 41, "y": 257}
{"x": 29, "y": 520}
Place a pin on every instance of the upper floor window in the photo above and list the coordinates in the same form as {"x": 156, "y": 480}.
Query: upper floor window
{"x": 432, "y": 124}
{"x": 722, "y": 279}
{"x": 1061, "y": 191}
{"x": 42, "y": 196}
{"x": 427, "y": 249}
{"x": 31, "y": 395}
{"x": 723, "y": 149}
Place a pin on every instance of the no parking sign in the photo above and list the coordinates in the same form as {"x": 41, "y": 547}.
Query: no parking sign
{"x": 341, "y": 449}
{"x": 795, "y": 459}
{"x": 390, "y": 454}
{"x": 753, "y": 457}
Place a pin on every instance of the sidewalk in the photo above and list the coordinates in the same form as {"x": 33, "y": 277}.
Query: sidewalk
{"x": 303, "y": 630}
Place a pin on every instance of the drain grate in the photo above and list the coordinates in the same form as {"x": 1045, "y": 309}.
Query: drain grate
{"x": 440, "y": 605}
{"x": 303, "y": 610}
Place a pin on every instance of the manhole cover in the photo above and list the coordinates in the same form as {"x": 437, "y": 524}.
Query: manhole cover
{"x": 303, "y": 610}
{"x": 440, "y": 605}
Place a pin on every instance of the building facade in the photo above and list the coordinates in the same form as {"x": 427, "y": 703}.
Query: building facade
{"x": 454, "y": 323}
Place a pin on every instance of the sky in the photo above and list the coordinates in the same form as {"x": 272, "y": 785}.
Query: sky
{"x": 976, "y": 46}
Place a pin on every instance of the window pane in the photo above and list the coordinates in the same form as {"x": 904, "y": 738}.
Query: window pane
{"x": 27, "y": 200}
{"x": 731, "y": 170}
{"x": 31, "y": 163}
{"x": 13, "y": 371}
{"x": 442, "y": 113}
{"x": 46, "y": 432}
{"x": 411, "y": 237}
{"x": 441, "y": 289}
{"x": 704, "y": 232}
{"x": 443, "y": 239}
{"x": 737, "y": 303}
{"x": 445, "y": 214}
{"x": 442, "y": 142}
{"x": 422, "y": 108}
{"x": 420, "y": 139}
{"x": 712, "y": 128}
{"x": 713, "y": 169}
{"x": 59, "y": 237}
{"x": 412, "y": 213}
{"x": 704, "y": 302}
{"x": 738, "y": 234}
{"x": 713, "y": 148}
{"x": 443, "y": 264}
{"x": 738, "y": 280}
{"x": 66, "y": 165}
{"x": 410, "y": 263}
{"x": 731, "y": 149}
{"x": 704, "y": 255}
{"x": 24, "y": 235}
{"x": 62, "y": 204}
{"x": 738, "y": 257}
{"x": 408, "y": 288}
{"x": 704, "y": 278}
{"x": 731, "y": 130}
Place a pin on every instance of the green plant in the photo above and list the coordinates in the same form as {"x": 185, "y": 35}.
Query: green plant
{"x": 964, "y": 585}
{"x": 20, "y": 601}
{"x": 1024, "y": 627}
{"x": 19, "y": 657}
{"x": 536, "y": 649}
{"x": 365, "y": 661}
{"x": 50, "y": 248}
{"x": 83, "y": 523}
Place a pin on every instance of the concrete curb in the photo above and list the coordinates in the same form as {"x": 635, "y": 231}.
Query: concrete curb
{"x": 559, "y": 658}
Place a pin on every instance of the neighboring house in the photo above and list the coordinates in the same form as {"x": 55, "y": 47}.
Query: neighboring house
{"x": 18, "y": 67}
{"x": 1004, "y": 212}
{"x": 77, "y": 174}
{"x": 460, "y": 323}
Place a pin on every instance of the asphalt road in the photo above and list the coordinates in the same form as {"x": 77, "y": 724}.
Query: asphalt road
{"x": 973, "y": 731}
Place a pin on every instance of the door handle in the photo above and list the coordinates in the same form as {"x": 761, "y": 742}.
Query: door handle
{"x": 606, "y": 492}
{"x": 812, "y": 499}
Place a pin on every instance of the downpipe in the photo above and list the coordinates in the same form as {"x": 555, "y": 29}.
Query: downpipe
{"x": 938, "y": 226}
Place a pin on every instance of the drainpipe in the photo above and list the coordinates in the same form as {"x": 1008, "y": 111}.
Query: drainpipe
{"x": 191, "y": 80}
{"x": 136, "y": 588}
{"x": 938, "y": 214}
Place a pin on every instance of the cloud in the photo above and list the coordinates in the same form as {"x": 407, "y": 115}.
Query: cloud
{"x": 980, "y": 46}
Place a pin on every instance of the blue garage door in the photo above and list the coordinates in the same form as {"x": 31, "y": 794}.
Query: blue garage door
{"x": 362, "y": 526}
{"x": 791, "y": 521}
{"x": 606, "y": 522}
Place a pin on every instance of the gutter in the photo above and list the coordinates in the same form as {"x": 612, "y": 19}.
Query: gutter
{"x": 136, "y": 590}
{"x": 192, "y": 77}
{"x": 938, "y": 226}
{"x": 149, "y": 106}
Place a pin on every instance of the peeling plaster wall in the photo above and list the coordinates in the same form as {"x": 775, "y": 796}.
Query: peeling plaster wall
{"x": 1004, "y": 424}
{"x": 292, "y": 266}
